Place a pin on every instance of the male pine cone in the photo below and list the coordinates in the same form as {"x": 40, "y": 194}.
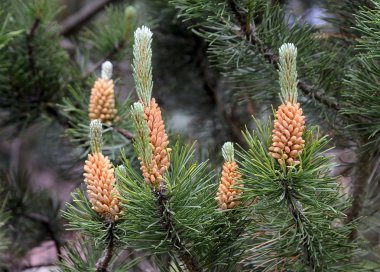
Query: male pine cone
{"x": 228, "y": 192}
{"x": 102, "y": 99}
{"x": 100, "y": 180}
{"x": 287, "y": 142}
{"x": 159, "y": 141}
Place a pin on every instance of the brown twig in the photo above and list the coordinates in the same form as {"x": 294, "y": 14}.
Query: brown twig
{"x": 127, "y": 134}
{"x": 168, "y": 224}
{"x": 73, "y": 23}
{"x": 241, "y": 18}
{"x": 363, "y": 171}
{"x": 103, "y": 263}
{"x": 30, "y": 34}
{"x": 29, "y": 38}
{"x": 49, "y": 229}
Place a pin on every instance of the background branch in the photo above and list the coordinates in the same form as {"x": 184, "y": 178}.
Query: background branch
{"x": 73, "y": 23}
{"x": 104, "y": 261}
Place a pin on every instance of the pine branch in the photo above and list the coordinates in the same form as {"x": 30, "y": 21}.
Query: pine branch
{"x": 167, "y": 223}
{"x": 29, "y": 37}
{"x": 104, "y": 261}
{"x": 31, "y": 58}
{"x": 272, "y": 58}
{"x": 316, "y": 94}
{"x": 241, "y": 18}
{"x": 73, "y": 23}
{"x": 295, "y": 209}
{"x": 127, "y": 134}
{"x": 363, "y": 171}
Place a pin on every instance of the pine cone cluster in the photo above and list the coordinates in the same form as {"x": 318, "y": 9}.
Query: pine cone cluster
{"x": 227, "y": 196}
{"x": 159, "y": 141}
{"x": 102, "y": 101}
{"x": 100, "y": 180}
{"x": 287, "y": 142}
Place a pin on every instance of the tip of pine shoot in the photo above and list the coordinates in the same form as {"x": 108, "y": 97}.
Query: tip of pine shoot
{"x": 143, "y": 33}
{"x": 228, "y": 151}
{"x": 137, "y": 107}
{"x": 142, "y": 64}
{"x": 106, "y": 70}
{"x": 121, "y": 169}
{"x": 130, "y": 13}
{"x": 288, "y": 49}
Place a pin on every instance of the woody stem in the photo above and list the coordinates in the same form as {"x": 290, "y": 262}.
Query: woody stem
{"x": 167, "y": 223}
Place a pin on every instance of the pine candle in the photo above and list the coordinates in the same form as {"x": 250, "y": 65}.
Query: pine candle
{"x": 153, "y": 140}
{"x": 228, "y": 195}
{"x": 100, "y": 178}
{"x": 289, "y": 124}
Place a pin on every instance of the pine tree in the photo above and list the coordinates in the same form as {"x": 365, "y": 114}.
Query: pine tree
{"x": 273, "y": 203}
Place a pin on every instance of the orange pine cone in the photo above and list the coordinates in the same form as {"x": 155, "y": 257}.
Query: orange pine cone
{"x": 287, "y": 142}
{"x": 159, "y": 141}
{"x": 227, "y": 196}
{"x": 100, "y": 180}
{"x": 102, "y": 101}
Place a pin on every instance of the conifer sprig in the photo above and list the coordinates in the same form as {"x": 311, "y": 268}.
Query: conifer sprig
{"x": 298, "y": 210}
{"x": 142, "y": 64}
{"x": 173, "y": 218}
{"x": 362, "y": 106}
{"x": 35, "y": 68}
{"x": 289, "y": 124}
